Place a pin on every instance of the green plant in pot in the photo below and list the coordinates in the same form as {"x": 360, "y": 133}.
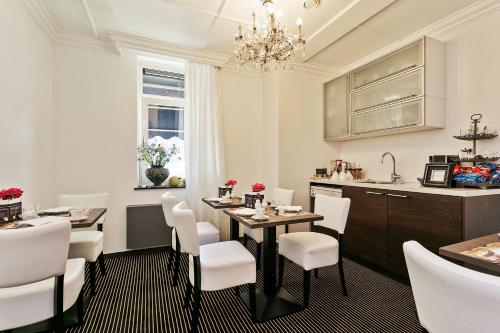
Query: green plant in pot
{"x": 157, "y": 156}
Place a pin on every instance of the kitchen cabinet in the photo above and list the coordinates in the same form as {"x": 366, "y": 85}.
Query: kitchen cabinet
{"x": 431, "y": 220}
{"x": 403, "y": 91}
{"x": 366, "y": 230}
{"x": 336, "y": 107}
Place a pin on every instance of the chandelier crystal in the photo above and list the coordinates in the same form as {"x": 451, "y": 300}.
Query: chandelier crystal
{"x": 268, "y": 45}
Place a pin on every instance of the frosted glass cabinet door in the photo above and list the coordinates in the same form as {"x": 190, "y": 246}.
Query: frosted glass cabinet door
{"x": 401, "y": 115}
{"x": 335, "y": 108}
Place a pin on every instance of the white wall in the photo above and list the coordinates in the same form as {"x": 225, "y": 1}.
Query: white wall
{"x": 26, "y": 111}
{"x": 472, "y": 72}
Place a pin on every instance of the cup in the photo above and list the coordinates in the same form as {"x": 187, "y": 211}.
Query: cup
{"x": 259, "y": 212}
{"x": 76, "y": 213}
{"x": 281, "y": 210}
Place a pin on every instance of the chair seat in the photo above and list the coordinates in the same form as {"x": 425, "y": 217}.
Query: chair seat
{"x": 224, "y": 265}
{"x": 207, "y": 234}
{"x": 86, "y": 244}
{"x": 28, "y": 304}
{"x": 309, "y": 249}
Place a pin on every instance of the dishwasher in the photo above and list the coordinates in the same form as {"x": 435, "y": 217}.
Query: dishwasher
{"x": 329, "y": 190}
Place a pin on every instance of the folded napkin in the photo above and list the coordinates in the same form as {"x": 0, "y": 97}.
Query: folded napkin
{"x": 214, "y": 199}
{"x": 294, "y": 209}
{"x": 244, "y": 211}
{"x": 56, "y": 210}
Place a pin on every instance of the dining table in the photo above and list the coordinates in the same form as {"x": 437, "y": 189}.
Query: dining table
{"x": 234, "y": 203}
{"x": 462, "y": 253}
{"x": 94, "y": 215}
{"x": 272, "y": 302}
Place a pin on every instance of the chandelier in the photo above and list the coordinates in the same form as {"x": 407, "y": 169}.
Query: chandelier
{"x": 268, "y": 45}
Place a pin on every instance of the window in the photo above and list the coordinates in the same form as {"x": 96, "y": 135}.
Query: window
{"x": 162, "y": 112}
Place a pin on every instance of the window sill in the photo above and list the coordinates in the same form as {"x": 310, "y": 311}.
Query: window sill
{"x": 140, "y": 188}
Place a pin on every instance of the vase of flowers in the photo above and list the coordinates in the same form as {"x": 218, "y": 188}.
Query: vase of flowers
{"x": 228, "y": 187}
{"x": 251, "y": 198}
{"x": 157, "y": 156}
{"x": 10, "y": 204}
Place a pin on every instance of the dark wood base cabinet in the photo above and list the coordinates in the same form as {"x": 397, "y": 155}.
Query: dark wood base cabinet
{"x": 380, "y": 221}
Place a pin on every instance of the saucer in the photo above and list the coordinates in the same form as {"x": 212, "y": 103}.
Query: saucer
{"x": 262, "y": 218}
{"x": 79, "y": 218}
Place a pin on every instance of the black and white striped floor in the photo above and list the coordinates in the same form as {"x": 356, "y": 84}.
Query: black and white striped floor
{"x": 136, "y": 296}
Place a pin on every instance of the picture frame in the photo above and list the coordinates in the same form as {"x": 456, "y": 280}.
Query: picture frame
{"x": 438, "y": 175}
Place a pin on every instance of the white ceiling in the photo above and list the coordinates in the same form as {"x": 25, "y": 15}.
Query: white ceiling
{"x": 338, "y": 31}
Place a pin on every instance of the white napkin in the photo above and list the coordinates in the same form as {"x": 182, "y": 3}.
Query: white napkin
{"x": 244, "y": 211}
{"x": 294, "y": 209}
{"x": 56, "y": 210}
{"x": 214, "y": 199}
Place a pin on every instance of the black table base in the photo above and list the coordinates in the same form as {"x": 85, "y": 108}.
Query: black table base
{"x": 283, "y": 303}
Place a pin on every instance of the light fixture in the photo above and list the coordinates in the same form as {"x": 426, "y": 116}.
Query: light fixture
{"x": 268, "y": 45}
{"x": 310, "y": 4}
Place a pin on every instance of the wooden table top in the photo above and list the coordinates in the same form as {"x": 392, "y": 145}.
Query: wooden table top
{"x": 275, "y": 220}
{"x": 216, "y": 205}
{"x": 454, "y": 252}
{"x": 94, "y": 215}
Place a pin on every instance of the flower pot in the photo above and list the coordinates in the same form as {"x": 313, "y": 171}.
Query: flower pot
{"x": 224, "y": 189}
{"x": 10, "y": 210}
{"x": 157, "y": 175}
{"x": 251, "y": 198}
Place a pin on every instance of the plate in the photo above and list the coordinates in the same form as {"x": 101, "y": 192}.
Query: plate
{"x": 80, "y": 218}
{"x": 56, "y": 210}
{"x": 262, "y": 218}
{"x": 244, "y": 212}
{"x": 480, "y": 251}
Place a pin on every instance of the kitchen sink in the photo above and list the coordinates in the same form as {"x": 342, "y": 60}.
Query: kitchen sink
{"x": 370, "y": 181}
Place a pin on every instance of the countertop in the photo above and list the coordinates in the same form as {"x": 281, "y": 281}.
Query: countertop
{"x": 412, "y": 187}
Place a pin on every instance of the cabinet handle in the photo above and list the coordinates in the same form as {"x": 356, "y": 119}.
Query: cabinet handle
{"x": 397, "y": 195}
{"x": 377, "y": 193}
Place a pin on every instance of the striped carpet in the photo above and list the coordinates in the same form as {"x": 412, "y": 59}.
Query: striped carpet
{"x": 136, "y": 296}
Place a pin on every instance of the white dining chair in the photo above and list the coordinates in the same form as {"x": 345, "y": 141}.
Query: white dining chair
{"x": 88, "y": 244}
{"x": 312, "y": 250}
{"x": 449, "y": 297}
{"x": 213, "y": 266}
{"x": 207, "y": 234}
{"x": 37, "y": 281}
{"x": 282, "y": 197}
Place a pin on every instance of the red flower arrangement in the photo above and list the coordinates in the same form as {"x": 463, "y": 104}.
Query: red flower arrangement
{"x": 231, "y": 182}
{"x": 258, "y": 187}
{"x": 11, "y": 193}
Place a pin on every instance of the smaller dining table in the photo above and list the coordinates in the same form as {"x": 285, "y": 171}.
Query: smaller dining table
{"x": 456, "y": 252}
{"x": 235, "y": 203}
{"x": 94, "y": 215}
{"x": 272, "y": 302}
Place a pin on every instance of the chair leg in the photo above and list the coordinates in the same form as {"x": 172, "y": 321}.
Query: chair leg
{"x": 307, "y": 286}
{"x": 245, "y": 240}
{"x": 177, "y": 266}
{"x": 58, "y": 303}
{"x": 102, "y": 265}
{"x": 253, "y": 301}
{"x": 170, "y": 258}
{"x": 316, "y": 273}
{"x": 187, "y": 295}
{"x": 92, "y": 278}
{"x": 259, "y": 255}
{"x": 196, "y": 310}
{"x": 342, "y": 278}
{"x": 281, "y": 268}
{"x": 286, "y": 228}
{"x": 79, "y": 308}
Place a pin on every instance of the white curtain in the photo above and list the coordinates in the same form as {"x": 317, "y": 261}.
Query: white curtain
{"x": 204, "y": 140}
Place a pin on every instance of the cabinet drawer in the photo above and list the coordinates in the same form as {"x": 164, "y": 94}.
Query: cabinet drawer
{"x": 366, "y": 230}
{"x": 431, "y": 220}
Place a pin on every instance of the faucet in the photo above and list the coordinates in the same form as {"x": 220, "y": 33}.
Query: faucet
{"x": 394, "y": 176}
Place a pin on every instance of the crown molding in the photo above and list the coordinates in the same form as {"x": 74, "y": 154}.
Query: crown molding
{"x": 316, "y": 69}
{"x": 440, "y": 30}
{"x": 36, "y": 9}
{"x": 123, "y": 41}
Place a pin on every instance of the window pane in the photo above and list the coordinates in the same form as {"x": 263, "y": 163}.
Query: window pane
{"x": 162, "y": 91}
{"x": 163, "y": 83}
{"x": 165, "y": 117}
{"x": 165, "y": 134}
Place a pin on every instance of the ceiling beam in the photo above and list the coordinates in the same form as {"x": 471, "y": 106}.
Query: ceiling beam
{"x": 90, "y": 18}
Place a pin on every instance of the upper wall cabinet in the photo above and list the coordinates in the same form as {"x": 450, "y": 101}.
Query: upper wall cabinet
{"x": 401, "y": 92}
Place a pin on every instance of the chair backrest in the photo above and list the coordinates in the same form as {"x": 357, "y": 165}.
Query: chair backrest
{"x": 185, "y": 226}
{"x": 283, "y": 196}
{"x": 451, "y": 298}
{"x": 34, "y": 254}
{"x": 95, "y": 200}
{"x": 168, "y": 201}
{"x": 335, "y": 210}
